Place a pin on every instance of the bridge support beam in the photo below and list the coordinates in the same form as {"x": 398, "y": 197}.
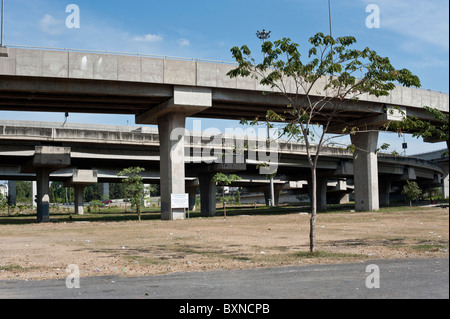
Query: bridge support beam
{"x": 33, "y": 193}
{"x": 43, "y": 198}
{"x": 207, "y": 195}
{"x": 366, "y": 171}
{"x": 445, "y": 183}
{"x": 46, "y": 159}
{"x": 12, "y": 193}
{"x": 172, "y": 168}
{"x": 191, "y": 189}
{"x": 79, "y": 180}
{"x": 321, "y": 191}
{"x": 79, "y": 202}
{"x": 385, "y": 191}
{"x": 105, "y": 191}
{"x": 170, "y": 117}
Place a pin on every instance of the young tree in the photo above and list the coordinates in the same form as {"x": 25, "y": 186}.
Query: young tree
{"x": 134, "y": 187}
{"x": 224, "y": 180}
{"x": 412, "y": 191}
{"x": 318, "y": 91}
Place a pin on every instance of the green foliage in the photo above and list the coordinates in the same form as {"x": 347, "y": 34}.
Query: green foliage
{"x": 424, "y": 129}
{"x": 319, "y": 88}
{"x": 354, "y": 72}
{"x": 225, "y": 180}
{"x": 3, "y": 201}
{"x": 412, "y": 191}
{"x": 134, "y": 187}
{"x": 96, "y": 204}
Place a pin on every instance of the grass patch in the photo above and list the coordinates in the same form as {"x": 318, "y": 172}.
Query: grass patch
{"x": 429, "y": 247}
{"x": 15, "y": 268}
{"x": 145, "y": 260}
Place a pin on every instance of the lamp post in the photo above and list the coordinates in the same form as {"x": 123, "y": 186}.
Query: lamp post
{"x": 3, "y": 22}
{"x": 329, "y": 17}
{"x": 264, "y": 35}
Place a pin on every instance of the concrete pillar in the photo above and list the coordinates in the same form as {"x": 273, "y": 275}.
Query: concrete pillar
{"x": 79, "y": 202}
{"x": 445, "y": 181}
{"x": 171, "y": 117}
{"x": 105, "y": 190}
{"x": 43, "y": 198}
{"x": 268, "y": 197}
{"x": 172, "y": 171}
{"x": 33, "y": 193}
{"x": 192, "y": 191}
{"x": 207, "y": 195}
{"x": 321, "y": 191}
{"x": 366, "y": 171}
{"x": 12, "y": 193}
{"x": 385, "y": 191}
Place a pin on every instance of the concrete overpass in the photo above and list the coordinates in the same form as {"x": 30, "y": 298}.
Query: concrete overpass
{"x": 166, "y": 91}
{"x": 80, "y": 154}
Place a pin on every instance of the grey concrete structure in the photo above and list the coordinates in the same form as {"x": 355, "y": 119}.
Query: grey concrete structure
{"x": 97, "y": 154}
{"x": 79, "y": 180}
{"x": 441, "y": 157}
{"x": 46, "y": 160}
{"x": 166, "y": 91}
{"x": 12, "y": 193}
{"x": 366, "y": 171}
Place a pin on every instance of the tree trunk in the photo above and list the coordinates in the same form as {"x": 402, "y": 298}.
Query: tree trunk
{"x": 312, "y": 233}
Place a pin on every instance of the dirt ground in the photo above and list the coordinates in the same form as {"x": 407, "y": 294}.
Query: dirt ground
{"x": 43, "y": 251}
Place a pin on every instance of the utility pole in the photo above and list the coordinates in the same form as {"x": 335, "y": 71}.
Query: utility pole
{"x": 329, "y": 16}
{"x": 3, "y": 23}
{"x": 264, "y": 35}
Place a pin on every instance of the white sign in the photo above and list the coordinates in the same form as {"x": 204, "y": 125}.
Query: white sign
{"x": 180, "y": 200}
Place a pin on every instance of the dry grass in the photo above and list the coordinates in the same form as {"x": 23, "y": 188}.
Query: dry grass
{"x": 151, "y": 247}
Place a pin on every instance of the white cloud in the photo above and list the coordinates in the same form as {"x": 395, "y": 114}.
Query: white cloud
{"x": 184, "y": 42}
{"x": 426, "y": 22}
{"x": 148, "y": 38}
{"x": 50, "y": 25}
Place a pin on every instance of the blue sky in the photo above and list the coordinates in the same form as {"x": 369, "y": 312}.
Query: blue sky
{"x": 414, "y": 34}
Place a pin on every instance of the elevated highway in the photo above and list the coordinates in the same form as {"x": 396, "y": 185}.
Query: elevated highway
{"x": 80, "y": 155}
{"x": 166, "y": 91}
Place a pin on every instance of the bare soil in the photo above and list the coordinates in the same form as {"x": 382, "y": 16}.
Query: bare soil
{"x": 43, "y": 251}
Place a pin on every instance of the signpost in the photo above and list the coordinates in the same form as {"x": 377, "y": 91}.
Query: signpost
{"x": 180, "y": 201}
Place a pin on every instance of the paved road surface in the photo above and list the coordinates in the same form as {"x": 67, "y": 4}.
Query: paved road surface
{"x": 402, "y": 278}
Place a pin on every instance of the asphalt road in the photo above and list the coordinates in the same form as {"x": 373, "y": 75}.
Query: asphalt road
{"x": 398, "y": 279}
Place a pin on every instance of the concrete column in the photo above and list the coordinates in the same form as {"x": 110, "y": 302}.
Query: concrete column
{"x": 43, "y": 198}
{"x": 79, "y": 203}
{"x": 321, "y": 191}
{"x": 445, "y": 181}
{"x": 192, "y": 191}
{"x": 33, "y": 193}
{"x": 268, "y": 197}
{"x": 105, "y": 190}
{"x": 12, "y": 193}
{"x": 385, "y": 191}
{"x": 365, "y": 165}
{"x": 172, "y": 171}
{"x": 207, "y": 195}
{"x": 171, "y": 119}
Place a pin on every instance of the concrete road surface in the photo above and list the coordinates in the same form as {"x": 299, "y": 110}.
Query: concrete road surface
{"x": 399, "y": 279}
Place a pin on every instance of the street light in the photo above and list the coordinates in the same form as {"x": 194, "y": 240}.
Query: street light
{"x": 263, "y": 35}
{"x": 3, "y": 22}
